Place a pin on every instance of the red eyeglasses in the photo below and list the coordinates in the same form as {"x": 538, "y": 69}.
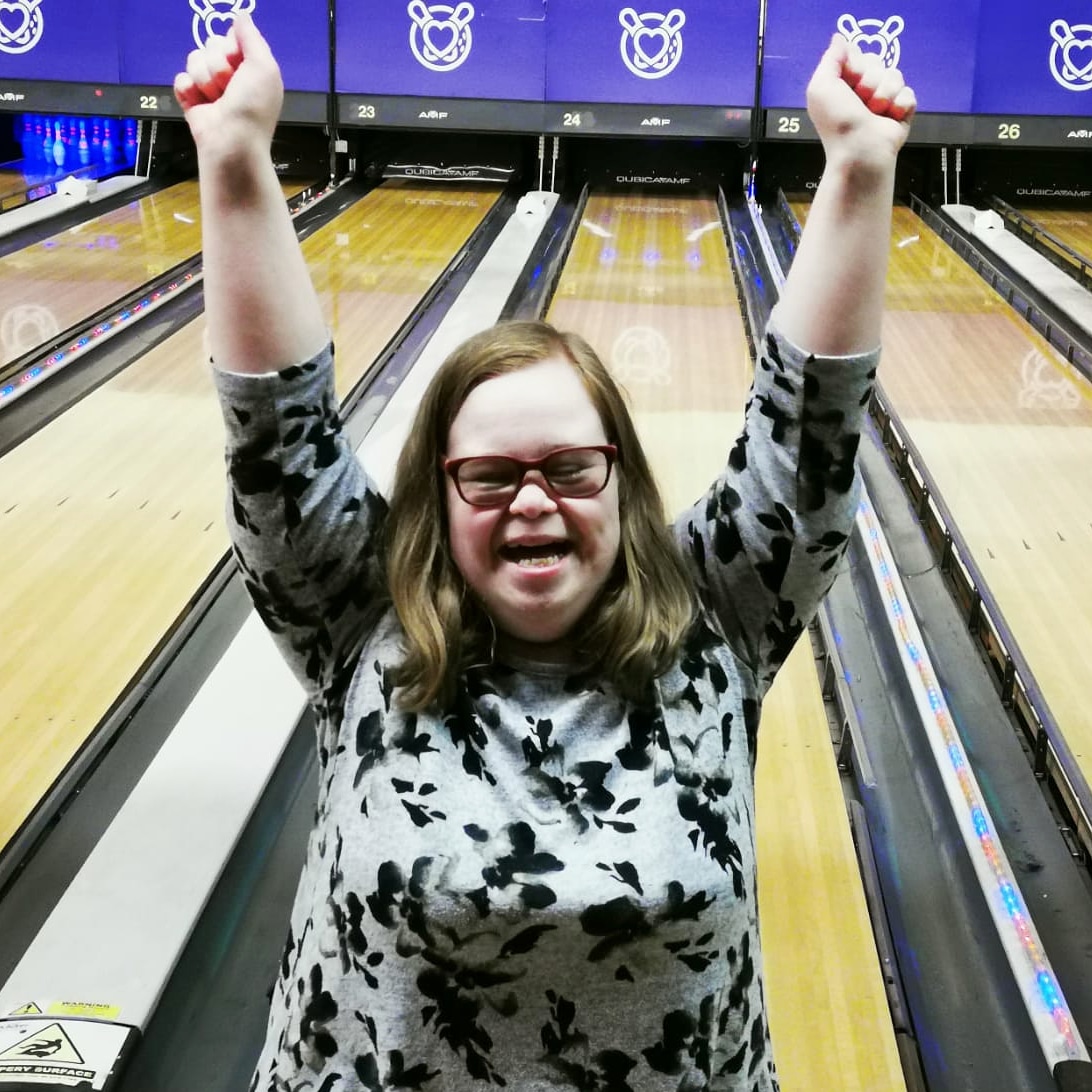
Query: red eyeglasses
{"x": 489, "y": 481}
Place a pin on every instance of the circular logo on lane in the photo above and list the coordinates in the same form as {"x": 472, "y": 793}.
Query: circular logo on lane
{"x": 641, "y": 355}
{"x": 25, "y": 327}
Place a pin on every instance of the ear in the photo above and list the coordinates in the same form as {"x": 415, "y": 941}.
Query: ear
{"x": 848, "y": 25}
{"x": 893, "y": 27}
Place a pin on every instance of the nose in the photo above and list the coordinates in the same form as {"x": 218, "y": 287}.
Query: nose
{"x": 532, "y": 498}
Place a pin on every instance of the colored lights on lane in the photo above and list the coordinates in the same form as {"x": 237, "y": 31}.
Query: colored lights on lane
{"x": 92, "y": 338}
{"x": 1005, "y": 896}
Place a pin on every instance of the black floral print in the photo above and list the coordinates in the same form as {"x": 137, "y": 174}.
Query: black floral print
{"x": 542, "y": 887}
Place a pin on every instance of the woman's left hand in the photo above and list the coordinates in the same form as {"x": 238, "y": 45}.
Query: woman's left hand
{"x": 861, "y": 109}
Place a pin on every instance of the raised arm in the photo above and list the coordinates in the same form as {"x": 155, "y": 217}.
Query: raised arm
{"x": 766, "y": 539}
{"x": 260, "y": 305}
{"x": 832, "y": 302}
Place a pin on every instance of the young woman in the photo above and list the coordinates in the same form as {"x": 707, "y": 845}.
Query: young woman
{"x": 533, "y": 858}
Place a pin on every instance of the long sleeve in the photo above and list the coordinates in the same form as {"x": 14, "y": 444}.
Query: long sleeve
{"x": 766, "y": 538}
{"x": 304, "y": 518}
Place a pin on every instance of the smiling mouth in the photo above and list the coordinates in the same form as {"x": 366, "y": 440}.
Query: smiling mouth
{"x": 536, "y": 557}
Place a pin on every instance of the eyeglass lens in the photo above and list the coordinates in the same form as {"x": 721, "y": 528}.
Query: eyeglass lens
{"x": 493, "y": 479}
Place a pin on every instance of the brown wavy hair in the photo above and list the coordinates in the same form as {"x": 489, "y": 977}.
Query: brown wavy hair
{"x": 633, "y": 631}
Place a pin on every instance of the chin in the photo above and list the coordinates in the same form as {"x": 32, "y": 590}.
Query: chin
{"x": 541, "y": 636}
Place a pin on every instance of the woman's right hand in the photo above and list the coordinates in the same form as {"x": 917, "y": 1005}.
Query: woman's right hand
{"x": 231, "y": 92}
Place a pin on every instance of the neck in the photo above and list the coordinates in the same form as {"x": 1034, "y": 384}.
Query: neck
{"x": 543, "y": 652}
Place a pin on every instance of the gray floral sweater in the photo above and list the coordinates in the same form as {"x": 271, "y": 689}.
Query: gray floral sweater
{"x": 542, "y": 886}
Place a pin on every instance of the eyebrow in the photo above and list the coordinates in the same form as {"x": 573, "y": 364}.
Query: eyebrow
{"x": 536, "y": 452}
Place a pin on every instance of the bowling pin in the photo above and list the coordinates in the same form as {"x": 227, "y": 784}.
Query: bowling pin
{"x": 82, "y": 146}
{"x": 27, "y": 142}
{"x": 58, "y": 142}
{"x": 108, "y": 148}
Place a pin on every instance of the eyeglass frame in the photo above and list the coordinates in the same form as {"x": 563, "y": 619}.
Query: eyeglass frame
{"x": 525, "y": 466}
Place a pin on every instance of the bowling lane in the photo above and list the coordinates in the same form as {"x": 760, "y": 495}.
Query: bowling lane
{"x": 18, "y": 177}
{"x": 1069, "y": 225}
{"x": 13, "y": 188}
{"x": 51, "y": 285}
{"x": 112, "y": 515}
{"x": 10, "y": 180}
{"x": 1004, "y": 425}
{"x": 649, "y": 284}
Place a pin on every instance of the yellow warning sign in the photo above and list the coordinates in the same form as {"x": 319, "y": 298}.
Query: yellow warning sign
{"x": 50, "y": 1044}
{"x": 29, "y": 1009}
{"x": 86, "y": 1009}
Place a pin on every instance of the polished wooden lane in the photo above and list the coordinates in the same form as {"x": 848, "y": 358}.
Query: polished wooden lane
{"x": 650, "y": 286}
{"x": 1071, "y": 226}
{"x": 10, "y": 181}
{"x": 19, "y": 178}
{"x": 1004, "y": 425}
{"x": 823, "y": 976}
{"x": 55, "y": 284}
{"x": 13, "y": 189}
{"x": 112, "y": 515}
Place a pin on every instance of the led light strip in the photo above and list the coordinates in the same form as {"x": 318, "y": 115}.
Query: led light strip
{"x": 1042, "y": 995}
{"x": 92, "y": 339}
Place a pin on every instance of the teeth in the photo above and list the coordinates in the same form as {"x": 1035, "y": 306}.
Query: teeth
{"x": 538, "y": 562}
